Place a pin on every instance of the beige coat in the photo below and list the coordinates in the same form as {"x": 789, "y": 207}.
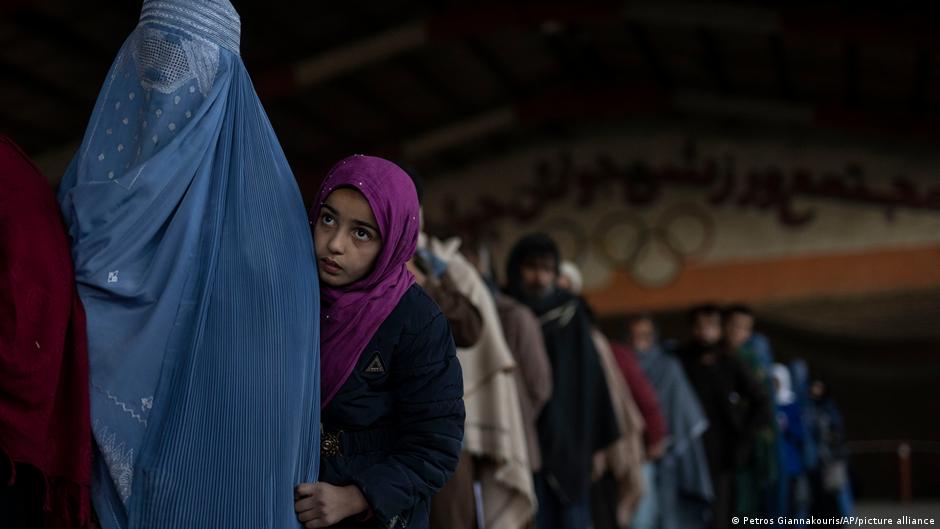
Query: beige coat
{"x": 534, "y": 370}
{"x": 624, "y": 459}
{"x": 495, "y": 431}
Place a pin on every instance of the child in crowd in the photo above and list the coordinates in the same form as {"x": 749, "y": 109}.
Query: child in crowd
{"x": 392, "y": 389}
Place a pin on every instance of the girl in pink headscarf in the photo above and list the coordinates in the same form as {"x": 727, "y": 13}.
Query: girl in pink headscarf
{"x": 391, "y": 384}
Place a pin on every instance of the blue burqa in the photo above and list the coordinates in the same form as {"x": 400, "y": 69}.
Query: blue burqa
{"x": 684, "y": 489}
{"x": 195, "y": 264}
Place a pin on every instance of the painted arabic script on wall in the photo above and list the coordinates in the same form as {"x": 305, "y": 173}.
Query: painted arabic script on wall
{"x": 769, "y": 188}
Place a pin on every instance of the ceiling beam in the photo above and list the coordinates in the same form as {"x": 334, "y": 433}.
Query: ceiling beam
{"x": 417, "y": 69}
{"x": 851, "y": 77}
{"x": 453, "y": 24}
{"x": 628, "y": 100}
{"x": 495, "y": 66}
{"x": 364, "y": 95}
{"x": 655, "y": 64}
{"x": 576, "y": 57}
{"x": 778, "y": 53}
{"x": 472, "y": 23}
{"x": 920, "y": 92}
{"x": 714, "y": 62}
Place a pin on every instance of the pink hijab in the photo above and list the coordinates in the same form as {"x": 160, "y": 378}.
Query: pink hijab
{"x": 350, "y": 315}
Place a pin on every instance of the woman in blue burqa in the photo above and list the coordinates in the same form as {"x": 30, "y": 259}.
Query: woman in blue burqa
{"x": 193, "y": 259}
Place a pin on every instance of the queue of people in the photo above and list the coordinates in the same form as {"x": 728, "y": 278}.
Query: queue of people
{"x": 191, "y": 346}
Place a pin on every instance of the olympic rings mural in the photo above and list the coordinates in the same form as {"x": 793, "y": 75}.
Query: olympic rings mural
{"x": 654, "y": 249}
{"x": 654, "y": 253}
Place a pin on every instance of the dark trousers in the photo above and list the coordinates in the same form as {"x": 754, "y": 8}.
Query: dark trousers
{"x": 724, "y": 499}
{"x": 604, "y": 502}
{"x": 555, "y": 514}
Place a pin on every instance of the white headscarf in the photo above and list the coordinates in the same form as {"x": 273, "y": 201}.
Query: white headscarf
{"x": 785, "y": 394}
{"x": 570, "y": 271}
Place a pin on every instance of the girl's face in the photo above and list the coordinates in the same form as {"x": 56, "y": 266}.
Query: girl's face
{"x": 346, "y": 237}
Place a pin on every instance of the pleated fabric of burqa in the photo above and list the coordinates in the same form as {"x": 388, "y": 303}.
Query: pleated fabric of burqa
{"x": 194, "y": 260}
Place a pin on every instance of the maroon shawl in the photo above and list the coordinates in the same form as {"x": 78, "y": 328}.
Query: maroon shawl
{"x": 44, "y": 420}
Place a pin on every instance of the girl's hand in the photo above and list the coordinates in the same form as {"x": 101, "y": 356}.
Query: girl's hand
{"x": 322, "y": 505}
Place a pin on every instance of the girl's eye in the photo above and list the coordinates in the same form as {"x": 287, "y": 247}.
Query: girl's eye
{"x": 362, "y": 234}
{"x": 327, "y": 219}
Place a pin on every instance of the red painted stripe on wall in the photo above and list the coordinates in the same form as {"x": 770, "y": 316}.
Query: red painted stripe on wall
{"x": 774, "y": 280}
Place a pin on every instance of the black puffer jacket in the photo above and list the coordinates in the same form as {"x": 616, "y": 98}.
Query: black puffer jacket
{"x": 401, "y": 417}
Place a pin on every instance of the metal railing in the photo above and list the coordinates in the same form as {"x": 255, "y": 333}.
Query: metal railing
{"x": 904, "y": 450}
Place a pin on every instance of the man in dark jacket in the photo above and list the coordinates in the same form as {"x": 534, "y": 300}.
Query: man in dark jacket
{"x": 579, "y": 419}
{"x": 733, "y": 402}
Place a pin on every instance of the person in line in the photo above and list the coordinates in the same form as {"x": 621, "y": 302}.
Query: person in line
{"x": 464, "y": 318}
{"x": 504, "y": 494}
{"x": 45, "y": 431}
{"x": 194, "y": 263}
{"x": 393, "y": 414}
{"x": 758, "y": 477}
{"x": 430, "y": 272}
{"x": 679, "y": 487}
{"x": 793, "y": 434}
{"x": 733, "y": 402}
{"x": 453, "y": 506}
{"x": 802, "y": 496}
{"x": 493, "y": 483}
{"x": 533, "y": 371}
{"x": 578, "y": 420}
{"x": 618, "y": 482}
{"x": 832, "y": 489}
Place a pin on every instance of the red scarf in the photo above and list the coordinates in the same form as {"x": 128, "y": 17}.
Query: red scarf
{"x": 44, "y": 421}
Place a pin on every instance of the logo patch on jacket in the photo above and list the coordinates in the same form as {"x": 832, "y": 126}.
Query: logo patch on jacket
{"x": 376, "y": 366}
